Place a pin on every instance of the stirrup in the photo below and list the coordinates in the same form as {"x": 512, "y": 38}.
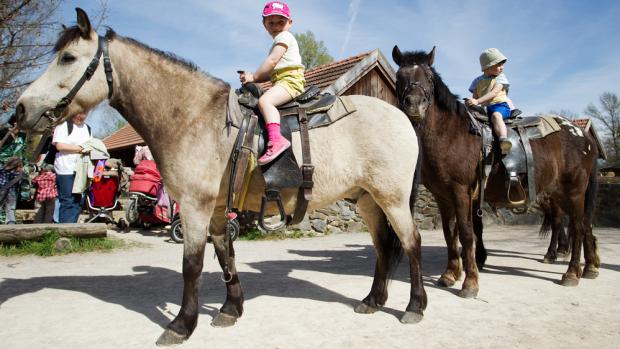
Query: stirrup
{"x": 518, "y": 190}
{"x": 272, "y": 195}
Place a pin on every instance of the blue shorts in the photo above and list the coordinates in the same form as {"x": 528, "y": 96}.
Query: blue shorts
{"x": 501, "y": 108}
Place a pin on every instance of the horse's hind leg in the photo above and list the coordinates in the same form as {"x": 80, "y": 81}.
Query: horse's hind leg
{"x": 590, "y": 252}
{"x": 387, "y": 247}
{"x": 232, "y": 308}
{"x": 194, "y": 235}
{"x": 553, "y": 219}
{"x": 401, "y": 221}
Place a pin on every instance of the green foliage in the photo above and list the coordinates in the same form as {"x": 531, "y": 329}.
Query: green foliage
{"x": 313, "y": 52}
{"x": 45, "y": 246}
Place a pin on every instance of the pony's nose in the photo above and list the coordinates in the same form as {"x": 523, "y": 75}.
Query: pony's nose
{"x": 20, "y": 111}
{"x": 408, "y": 101}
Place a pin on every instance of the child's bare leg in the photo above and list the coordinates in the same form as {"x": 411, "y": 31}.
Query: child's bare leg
{"x": 498, "y": 125}
{"x": 277, "y": 95}
{"x": 267, "y": 103}
{"x": 500, "y": 130}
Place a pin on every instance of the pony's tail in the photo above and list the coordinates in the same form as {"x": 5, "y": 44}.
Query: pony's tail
{"x": 393, "y": 250}
{"x": 546, "y": 224}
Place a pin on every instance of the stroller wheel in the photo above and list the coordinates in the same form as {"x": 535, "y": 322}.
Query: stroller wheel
{"x": 132, "y": 212}
{"x": 176, "y": 233}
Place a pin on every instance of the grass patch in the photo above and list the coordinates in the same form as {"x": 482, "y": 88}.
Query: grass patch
{"x": 256, "y": 234}
{"x": 45, "y": 246}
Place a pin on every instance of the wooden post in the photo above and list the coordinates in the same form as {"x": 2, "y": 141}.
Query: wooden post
{"x": 13, "y": 233}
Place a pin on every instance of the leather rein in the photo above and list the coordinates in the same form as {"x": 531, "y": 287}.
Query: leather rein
{"x": 54, "y": 114}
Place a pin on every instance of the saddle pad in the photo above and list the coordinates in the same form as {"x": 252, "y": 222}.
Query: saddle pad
{"x": 548, "y": 125}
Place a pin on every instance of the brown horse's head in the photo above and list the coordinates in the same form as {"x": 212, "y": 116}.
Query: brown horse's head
{"x": 75, "y": 50}
{"x": 414, "y": 82}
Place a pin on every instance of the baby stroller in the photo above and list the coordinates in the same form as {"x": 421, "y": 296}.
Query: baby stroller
{"x": 148, "y": 202}
{"x": 103, "y": 193}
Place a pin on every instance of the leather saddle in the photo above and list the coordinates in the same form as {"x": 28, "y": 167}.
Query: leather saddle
{"x": 308, "y": 110}
{"x": 519, "y": 163}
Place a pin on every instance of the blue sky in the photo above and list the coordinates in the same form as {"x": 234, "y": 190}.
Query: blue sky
{"x": 562, "y": 54}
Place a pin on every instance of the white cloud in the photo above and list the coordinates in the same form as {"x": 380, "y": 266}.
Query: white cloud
{"x": 354, "y": 6}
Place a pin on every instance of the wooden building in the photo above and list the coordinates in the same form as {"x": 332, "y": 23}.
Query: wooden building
{"x": 367, "y": 74}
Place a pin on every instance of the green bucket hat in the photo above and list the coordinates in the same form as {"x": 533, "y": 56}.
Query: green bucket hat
{"x": 491, "y": 57}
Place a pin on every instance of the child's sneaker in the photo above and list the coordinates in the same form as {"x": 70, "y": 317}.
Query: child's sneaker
{"x": 273, "y": 150}
{"x": 505, "y": 145}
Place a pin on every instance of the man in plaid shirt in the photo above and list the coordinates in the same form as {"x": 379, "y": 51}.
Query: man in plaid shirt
{"x": 46, "y": 194}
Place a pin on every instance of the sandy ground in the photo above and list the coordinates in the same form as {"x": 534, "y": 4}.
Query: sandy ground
{"x": 301, "y": 294}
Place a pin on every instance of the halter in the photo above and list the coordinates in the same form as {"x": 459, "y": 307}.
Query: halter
{"x": 53, "y": 114}
{"x": 428, "y": 92}
{"x": 102, "y": 48}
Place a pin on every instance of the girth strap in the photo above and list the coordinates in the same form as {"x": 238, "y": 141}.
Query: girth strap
{"x": 529, "y": 158}
{"x": 307, "y": 169}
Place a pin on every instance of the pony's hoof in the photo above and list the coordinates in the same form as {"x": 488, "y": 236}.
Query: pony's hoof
{"x": 364, "y": 308}
{"x": 169, "y": 338}
{"x": 590, "y": 273}
{"x": 223, "y": 320}
{"x": 548, "y": 260}
{"x": 412, "y": 317}
{"x": 468, "y": 293}
{"x": 445, "y": 281}
{"x": 569, "y": 280}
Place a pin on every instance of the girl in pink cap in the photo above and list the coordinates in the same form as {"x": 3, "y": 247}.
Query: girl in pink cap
{"x": 284, "y": 69}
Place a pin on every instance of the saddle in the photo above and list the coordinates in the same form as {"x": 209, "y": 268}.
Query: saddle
{"x": 519, "y": 163}
{"x": 309, "y": 110}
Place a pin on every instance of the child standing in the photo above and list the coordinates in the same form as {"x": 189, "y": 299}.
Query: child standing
{"x": 46, "y": 194}
{"x": 284, "y": 68}
{"x": 10, "y": 176}
{"x": 491, "y": 90}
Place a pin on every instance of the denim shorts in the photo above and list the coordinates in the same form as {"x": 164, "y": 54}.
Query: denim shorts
{"x": 501, "y": 108}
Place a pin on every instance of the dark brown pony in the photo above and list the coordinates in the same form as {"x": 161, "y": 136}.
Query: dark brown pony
{"x": 565, "y": 173}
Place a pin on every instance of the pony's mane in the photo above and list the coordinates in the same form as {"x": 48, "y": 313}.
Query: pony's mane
{"x": 445, "y": 99}
{"x": 71, "y": 34}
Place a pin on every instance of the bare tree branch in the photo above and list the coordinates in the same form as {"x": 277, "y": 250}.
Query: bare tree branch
{"x": 28, "y": 31}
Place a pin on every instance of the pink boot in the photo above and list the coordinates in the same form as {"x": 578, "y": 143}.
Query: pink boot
{"x": 274, "y": 148}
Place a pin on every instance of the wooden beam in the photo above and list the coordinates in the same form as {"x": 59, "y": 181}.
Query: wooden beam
{"x": 13, "y": 233}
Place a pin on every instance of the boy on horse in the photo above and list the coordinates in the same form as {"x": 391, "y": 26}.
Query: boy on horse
{"x": 491, "y": 90}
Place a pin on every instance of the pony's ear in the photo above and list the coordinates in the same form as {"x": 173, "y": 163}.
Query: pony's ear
{"x": 396, "y": 55}
{"x": 431, "y": 57}
{"x": 83, "y": 23}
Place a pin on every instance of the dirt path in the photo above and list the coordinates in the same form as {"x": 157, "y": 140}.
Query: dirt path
{"x": 300, "y": 294}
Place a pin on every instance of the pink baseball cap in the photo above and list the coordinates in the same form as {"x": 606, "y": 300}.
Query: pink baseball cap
{"x": 278, "y": 8}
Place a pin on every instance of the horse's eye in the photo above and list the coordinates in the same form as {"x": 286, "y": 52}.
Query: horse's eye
{"x": 67, "y": 59}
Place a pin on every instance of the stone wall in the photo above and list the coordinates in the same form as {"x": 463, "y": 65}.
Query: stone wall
{"x": 607, "y": 212}
{"x": 343, "y": 215}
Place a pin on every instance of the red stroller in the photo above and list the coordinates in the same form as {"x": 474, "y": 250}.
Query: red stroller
{"x": 146, "y": 206}
{"x": 102, "y": 199}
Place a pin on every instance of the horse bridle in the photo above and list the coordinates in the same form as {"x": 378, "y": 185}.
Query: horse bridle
{"x": 428, "y": 92}
{"x": 54, "y": 114}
